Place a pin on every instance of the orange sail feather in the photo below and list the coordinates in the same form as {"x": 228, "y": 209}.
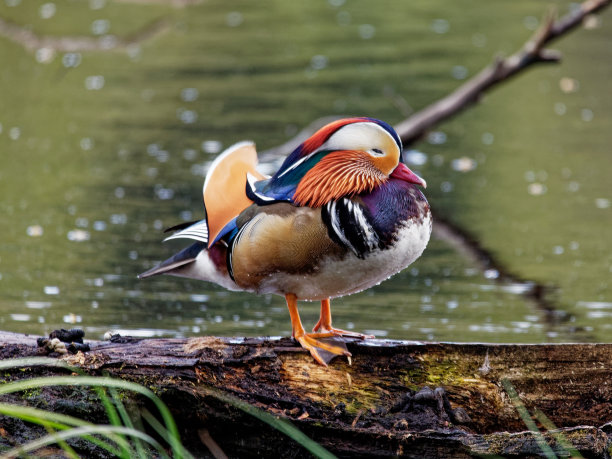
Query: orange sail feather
{"x": 225, "y": 184}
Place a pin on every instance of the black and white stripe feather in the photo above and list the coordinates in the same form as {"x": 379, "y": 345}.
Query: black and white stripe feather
{"x": 348, "y": 225}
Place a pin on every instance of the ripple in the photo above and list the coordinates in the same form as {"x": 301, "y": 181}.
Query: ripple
{"x": 21, "y": 317}
{"x": 38, "y": 304}
{"x": 51, "y": 290}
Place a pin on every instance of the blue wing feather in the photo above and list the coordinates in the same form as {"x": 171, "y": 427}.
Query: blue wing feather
{"x": 281, "y": 187}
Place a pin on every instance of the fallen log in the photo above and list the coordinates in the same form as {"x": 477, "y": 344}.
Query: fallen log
{"x": 395, "y": 398}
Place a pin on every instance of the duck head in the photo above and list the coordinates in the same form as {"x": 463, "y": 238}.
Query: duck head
{"x": 345, "y": 158}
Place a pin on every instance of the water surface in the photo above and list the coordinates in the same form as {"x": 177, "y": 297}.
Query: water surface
{"x": 101, "y": 150}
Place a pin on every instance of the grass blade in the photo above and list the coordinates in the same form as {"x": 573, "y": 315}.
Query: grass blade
{"x": 80, "y": 432}
{"x": 126, "y": 420}
{"x": 113, "y": 418}
{"x": 57, "y": 421}
{"x": 163, "y": 432}
{"x": 552, "y": 429}
{"x": 174, "y": 438}
{"x": 526, "y": 418}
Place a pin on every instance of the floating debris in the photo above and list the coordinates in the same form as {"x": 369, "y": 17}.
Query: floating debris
{"x": 591, "y": 22}
{"x": 51, "y": 290}
{"x": 34, "y": 231}
{"x": 586, "y": 114}
{"x": 440, "y": 26}
{"x": 20, "y": 317}
{"x": 569, "y": 85}
{"x": 211, "y": 146}
{"x": 487, "y": 138}
{"x": 44, "y": 55}
{"x": 100, "y": 26}
{"x": 97, "y": 4}
{"x": 86, "y": 143}
{"x": 459, "y": 72}
{"x": 82, "y": 222}
{"x": 199, "y": 298}
{"x": 47, "y": 10}
{"x": 463, "y": 164}
{"x": 94, "y": 82}
{"x": 536, "y": 189}
{"x": 558, "y": 250}
{"x": 14, "y": 133}
{"x": 560, "y": 108}
{"x": 72, "y": 319}
{"x": 187, "y": 116}
{"x": 436, "y": 137}
{"x": 319, "y": 62}
{"x": 414, "y": 157}
{"x": 99, "y": 225}
{"x": 38, "y": 304}
{"x": 118, "y": 219}
{"x": 367, "y": 31}
{"x": 189, "y": 94}
{"x": 446, "y": 187}
{"x": 234, "y": 19}
{"x": 71, "y": 60}
{"x": 78, "y": 235}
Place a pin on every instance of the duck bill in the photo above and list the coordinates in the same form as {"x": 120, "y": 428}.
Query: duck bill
{"x": 402, "y": 172}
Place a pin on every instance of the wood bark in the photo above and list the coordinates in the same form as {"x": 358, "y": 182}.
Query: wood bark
{"x": 374, "y": 407}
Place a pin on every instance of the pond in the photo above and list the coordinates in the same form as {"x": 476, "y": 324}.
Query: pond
{"x": 105, "y": 138}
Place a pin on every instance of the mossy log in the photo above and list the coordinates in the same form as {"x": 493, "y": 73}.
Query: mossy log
{"x": 376, "y": 406}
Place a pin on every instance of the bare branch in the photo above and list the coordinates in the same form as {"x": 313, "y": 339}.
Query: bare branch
{"x": 532, "y": 52}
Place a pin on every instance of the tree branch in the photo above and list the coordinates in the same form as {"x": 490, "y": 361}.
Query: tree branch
{"x": 532, "y": 52}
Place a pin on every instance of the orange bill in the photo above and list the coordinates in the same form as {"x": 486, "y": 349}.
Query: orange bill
{"x": 225, "y": 184}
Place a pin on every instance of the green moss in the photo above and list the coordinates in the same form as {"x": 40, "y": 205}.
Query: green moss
{"x": 31, "y": 393}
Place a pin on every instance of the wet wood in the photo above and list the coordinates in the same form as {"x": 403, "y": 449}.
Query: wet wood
{"x": 375, "y": 407}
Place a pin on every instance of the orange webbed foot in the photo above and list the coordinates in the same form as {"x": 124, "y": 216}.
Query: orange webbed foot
{"x": 331, "y": 331}
{"x": 321, "y": 351}
{"x": 325, "y": 326}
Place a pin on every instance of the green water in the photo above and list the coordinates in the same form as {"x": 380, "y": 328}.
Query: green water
{"x": 100, "y": 150}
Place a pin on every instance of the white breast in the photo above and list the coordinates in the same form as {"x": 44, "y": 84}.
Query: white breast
{"x": 338, "y": 277}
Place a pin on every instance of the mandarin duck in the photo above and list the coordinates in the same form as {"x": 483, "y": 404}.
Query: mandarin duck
{"x": 341, "y": 215}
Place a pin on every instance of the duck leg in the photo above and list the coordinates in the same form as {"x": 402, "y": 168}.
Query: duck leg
{"x": 325, "y": 324}
{"x": 309, "y": 341}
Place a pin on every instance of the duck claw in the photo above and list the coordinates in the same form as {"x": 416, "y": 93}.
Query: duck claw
{"x": 323, "y": 352}
{"x": 338, "y": 332}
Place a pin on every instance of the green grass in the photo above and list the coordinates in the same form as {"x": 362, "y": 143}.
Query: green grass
{"x": 562, "y": 443}
{"x": 124, "y": 436}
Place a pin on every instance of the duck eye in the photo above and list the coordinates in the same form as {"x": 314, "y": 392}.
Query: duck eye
{"x": 377, "y": 151}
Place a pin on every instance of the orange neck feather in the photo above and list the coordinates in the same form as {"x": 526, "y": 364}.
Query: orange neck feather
{"x": 341, "y": 173}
